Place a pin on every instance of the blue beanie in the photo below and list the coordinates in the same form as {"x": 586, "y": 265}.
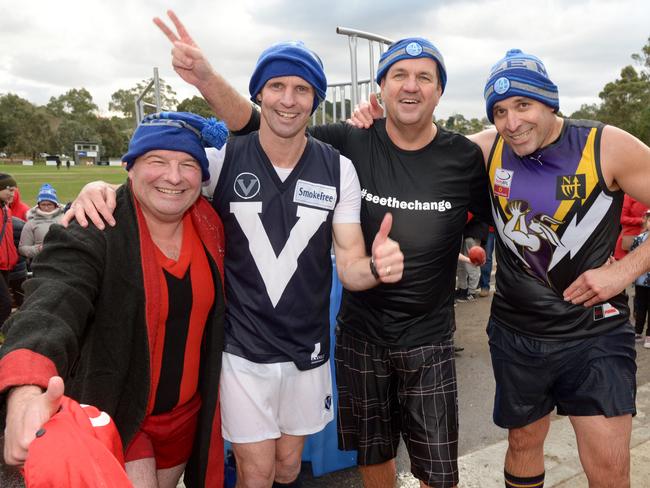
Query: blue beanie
{"x": 47, "y": 193}
{"x": 519, "y": 74}
{"x": 290, "y": 58}
{"x": 177, "y": 131}
{"x": 411, "y": 48}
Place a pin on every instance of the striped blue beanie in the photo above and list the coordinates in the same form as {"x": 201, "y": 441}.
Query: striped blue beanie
{"x": 519, "y": 74}
{"x": 290, "y": 58}
{"x": 411, "y": 48}
{"x": 47, "y": 193}
{"x": 177, "y": 131}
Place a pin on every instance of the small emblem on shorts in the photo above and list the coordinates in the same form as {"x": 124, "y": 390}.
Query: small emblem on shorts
{"x": 247, "y": 185}
{"x": 328, "y": 402}
{"x": 502, "y": 85}
{"x": 413, "y": 49}
{"x": 605, "y": 311}
{"x": 502, "y": 182}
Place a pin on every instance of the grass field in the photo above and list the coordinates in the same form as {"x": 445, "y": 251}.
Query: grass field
{"x": 67, "y": 182}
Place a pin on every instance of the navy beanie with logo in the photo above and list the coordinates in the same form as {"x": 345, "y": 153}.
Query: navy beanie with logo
{"x": 290, "y": 58}
{"x": 177, "y": 131}
{"x": 412, "y": 48}
{"x": 519, "y": 74}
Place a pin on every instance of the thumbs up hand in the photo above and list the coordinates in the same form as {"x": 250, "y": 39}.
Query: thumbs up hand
{"x": 387, "y": 258}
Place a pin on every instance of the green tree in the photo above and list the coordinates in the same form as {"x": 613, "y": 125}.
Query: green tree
{"x": 196, "y": 105}
{"x": 24, "y": 129}
{"x": 114, "y": 134}
{"x": 77, "y": 103}
{"x": 458, "y": 123}
{"x": 71, "y": 131}
{"x": 123, "y": 101}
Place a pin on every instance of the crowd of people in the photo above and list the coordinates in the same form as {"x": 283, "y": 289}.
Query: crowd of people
{"x": 193, "y": 307}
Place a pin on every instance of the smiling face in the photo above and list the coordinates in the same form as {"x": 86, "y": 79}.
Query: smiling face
{"x": 525, "y": 124}
{"x": 411, "y": 91}
{"x": 286, "y": 104}
{"x": 166, "y": 184}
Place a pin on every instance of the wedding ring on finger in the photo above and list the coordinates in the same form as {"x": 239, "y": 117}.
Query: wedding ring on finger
{"x": 387, "y": 270}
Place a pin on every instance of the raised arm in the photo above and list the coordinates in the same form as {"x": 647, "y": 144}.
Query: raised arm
{"x": 192, "y": 66}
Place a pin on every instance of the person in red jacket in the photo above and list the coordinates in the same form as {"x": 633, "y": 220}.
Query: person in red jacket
{"x": 631, "y": 224}
{"x": 8, "y": 252}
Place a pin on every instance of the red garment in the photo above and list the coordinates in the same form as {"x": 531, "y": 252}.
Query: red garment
{"x": 631, "y": 221}
{"x": 18, "y": 207}
{"x": 78, "y": 446}
{"x": 8, "y": 251}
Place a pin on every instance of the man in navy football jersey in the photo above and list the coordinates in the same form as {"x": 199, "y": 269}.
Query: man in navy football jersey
{"x": 285, "y": 198}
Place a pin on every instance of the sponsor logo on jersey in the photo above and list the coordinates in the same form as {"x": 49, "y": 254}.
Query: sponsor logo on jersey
{"x": 246, "y": 185}
{"x": 316, "y": 355}
{"x": 314, "y": 194}
{"x": 328, "y": 402}
{"x": 605, "y": 311}
{"x": 571, "y": 187}
{"x": 502, "y": 182}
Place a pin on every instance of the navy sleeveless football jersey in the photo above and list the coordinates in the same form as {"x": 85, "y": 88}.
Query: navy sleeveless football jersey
{"x": 278, "y": 269}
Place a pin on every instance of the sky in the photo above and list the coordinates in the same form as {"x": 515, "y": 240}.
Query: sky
{"x": 48, "y": 47}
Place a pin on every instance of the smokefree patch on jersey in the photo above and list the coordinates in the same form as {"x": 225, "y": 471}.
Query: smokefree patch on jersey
{"x": 315, "y": 195}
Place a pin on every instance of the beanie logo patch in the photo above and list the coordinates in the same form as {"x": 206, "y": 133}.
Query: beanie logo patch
{"x": 501, "y": 85}
{"x": 413, "y": 49}
{"x": 247, "y": 185}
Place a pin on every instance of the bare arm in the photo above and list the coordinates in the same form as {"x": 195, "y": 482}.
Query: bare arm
{"x": 191, "y": 65}
{"x": 625, "y": 164}
{"x": 352, "y": 264}
{"x": 28, "y": 408}
{"x": 484, "y": 140}
{"x": 96, "y": 201}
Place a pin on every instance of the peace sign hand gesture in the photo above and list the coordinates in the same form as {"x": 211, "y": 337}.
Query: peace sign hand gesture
{"x": 187, "y": 58}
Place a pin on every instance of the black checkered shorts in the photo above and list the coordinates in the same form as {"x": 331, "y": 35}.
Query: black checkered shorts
{"x": 388, "y": 391}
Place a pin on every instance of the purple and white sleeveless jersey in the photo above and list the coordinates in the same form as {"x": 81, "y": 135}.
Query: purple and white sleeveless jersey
{"x": 555, "y": 219}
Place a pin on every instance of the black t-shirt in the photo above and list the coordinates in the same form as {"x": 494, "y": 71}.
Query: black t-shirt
{"x": 429, "y": 192}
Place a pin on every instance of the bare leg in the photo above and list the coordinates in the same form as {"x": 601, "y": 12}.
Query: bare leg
{"x": 604, "y": 448}
{"x": 142, "y": 473}
{"x": 525, "y": 455}
{"x": 255, "y": 463}
{"x": 168, "y": 477}
{"x": 288, "y": 455}
{"x": 381, "y": 475}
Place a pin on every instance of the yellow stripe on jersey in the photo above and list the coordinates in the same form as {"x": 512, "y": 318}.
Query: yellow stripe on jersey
{"x": 587, "y": 167}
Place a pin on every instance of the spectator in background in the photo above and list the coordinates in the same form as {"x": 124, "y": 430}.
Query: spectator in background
{"x": 468, "y": 274}
{"x": 18, "y": 207}
{"x": 18, "y": 274}
{"x": 8, "y": 253}
{"x": 632, "y": 217}
{"x": 642, "y": 288}
{"x": 486, "y": 269}
{"x": 39, "y": 219}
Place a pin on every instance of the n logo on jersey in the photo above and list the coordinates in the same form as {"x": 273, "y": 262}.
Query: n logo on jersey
{"x": 276, "y": 271}
{"x": 571, "y": 187}
{"x": 246, "y": 185}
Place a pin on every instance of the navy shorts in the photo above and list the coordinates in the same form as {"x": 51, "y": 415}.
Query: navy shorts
{"x": 592, "y": 376}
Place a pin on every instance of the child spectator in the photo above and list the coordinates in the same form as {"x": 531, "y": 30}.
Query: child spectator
{"x": 39, "y": 219}
{"x": 642, "y": 288}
